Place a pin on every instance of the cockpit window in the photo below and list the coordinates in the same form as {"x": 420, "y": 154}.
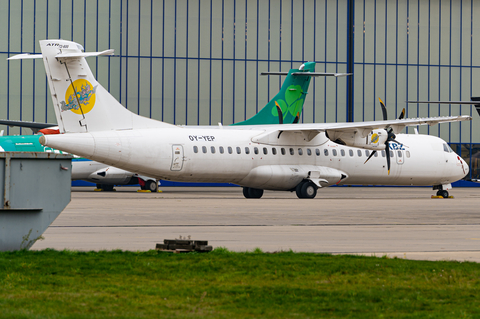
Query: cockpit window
{"x": 447, "y": 148}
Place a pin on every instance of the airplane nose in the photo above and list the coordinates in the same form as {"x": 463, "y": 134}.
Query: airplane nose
{"x": 464, "y": 169}
{"x": 467, "y": 169}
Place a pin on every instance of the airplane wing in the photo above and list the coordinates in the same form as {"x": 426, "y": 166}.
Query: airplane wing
{"x": 475, "y": 101}
{"x": 34, "y": 126}
{"x": 362, "y": 129}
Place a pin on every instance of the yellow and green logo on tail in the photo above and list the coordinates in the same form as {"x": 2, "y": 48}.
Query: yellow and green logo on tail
{"x": 81, "y": 100}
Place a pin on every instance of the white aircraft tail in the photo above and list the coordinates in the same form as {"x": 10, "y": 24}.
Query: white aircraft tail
{"x": 81, "y": 103}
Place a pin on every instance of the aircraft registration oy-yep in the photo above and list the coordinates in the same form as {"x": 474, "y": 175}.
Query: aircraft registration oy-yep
{"x": 271, "y": 156}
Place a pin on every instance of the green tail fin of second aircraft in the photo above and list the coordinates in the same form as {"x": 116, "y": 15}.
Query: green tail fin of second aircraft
{"x": 286, "y": 107}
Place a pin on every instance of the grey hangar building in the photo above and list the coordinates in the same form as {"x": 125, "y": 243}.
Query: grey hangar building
{"x": 198, "y": 62}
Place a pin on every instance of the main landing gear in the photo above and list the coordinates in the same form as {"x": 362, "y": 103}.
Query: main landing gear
{"x": 249, "y": 192}
{"x": 106, "y": 187}
{"x": 306, "y": 189}
{"x": 150, "y": 186}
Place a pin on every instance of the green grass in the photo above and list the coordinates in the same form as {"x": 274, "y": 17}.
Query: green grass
{"x": 223, "y": 284}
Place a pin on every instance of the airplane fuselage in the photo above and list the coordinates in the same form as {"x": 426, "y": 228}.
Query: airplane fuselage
{"x": 230, "y": 156}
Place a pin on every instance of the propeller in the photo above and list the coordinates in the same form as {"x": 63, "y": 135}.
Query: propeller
{"x": 390, "y": 136}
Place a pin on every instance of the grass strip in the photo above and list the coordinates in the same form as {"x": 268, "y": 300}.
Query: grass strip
{"x": 220, "y": 284}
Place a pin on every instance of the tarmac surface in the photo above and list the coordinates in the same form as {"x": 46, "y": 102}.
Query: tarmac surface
{"x": 403, "y": 222}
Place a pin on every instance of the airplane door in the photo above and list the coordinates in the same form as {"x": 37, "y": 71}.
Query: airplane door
{"x": 177, "y": 158}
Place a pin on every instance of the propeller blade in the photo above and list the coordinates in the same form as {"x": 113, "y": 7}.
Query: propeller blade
{"x": 402, "y": 115}
{"x": 280, "y": 113}
{"x": 373, "y": 153}
{"x": 387, "y": 150}
{"x": 384, "y": 109}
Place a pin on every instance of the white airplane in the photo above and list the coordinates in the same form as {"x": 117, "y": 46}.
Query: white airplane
{"x": 289, "y": 157}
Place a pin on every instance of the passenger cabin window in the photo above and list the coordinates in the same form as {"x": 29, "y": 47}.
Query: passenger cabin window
{"x": 212, "y": 148}
{"x": 195, "y": 149}
{"x": 376, "y": 154}
{"x": 255, "y": 150}
{"x": 292, "y": 152}
{"x": 383, "y": 153}
{"x": 317, "y": 151}
{"x": 283, "y": 151}
{"x": 350, "y": 152}
{"x": 247, "y": 150}
{"x": 265, "y": 151}
{"x": 239, "y": 150}
{"x": 221, "y": 149}
{"x": 274, "y": 151}
{"x": 230, "y": 151}
{"x": 399, "y": 153}
{"x": 334, "y": 152}
{"x": 391, "y": 154}
{"x": 408, "y": 154}
{"x": 309, "y": 152}
{"x": 325, "y": 151}
{"x": 367, "y": 153}
{"x": 300, "y": 151}
{"x": 359, "y": 153}
{"x": 204, "y": 149}
{"x": 342, "y": 152}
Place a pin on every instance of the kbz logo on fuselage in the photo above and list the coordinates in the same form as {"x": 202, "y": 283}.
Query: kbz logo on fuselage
{"x": 396, "y": 147}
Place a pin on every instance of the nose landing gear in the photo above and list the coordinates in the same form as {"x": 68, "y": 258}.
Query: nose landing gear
{"x": 442, "y": 190}
{"x": 442, "y": 193}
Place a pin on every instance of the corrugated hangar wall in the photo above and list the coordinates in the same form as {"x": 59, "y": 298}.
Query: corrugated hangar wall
{"x": 199, "y": 62}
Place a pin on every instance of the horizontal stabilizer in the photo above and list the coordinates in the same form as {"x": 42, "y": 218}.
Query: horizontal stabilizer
{"x": 307, "y": 73}
{"x": 83, "y": 54}
{"x": 63, "y": 55}
{"x": 320, "y": 74}
{"x": 25, "y": 56}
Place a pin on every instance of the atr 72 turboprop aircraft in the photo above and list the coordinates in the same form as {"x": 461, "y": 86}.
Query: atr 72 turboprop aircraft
{"x": 290, "y": 157}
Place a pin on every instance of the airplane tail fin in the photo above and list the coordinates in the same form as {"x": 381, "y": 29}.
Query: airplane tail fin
{"x": 81, "y": 103}
{"x": 286, "y": 107}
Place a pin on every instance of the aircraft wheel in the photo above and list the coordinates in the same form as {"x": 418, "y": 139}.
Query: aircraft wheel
{"x": 306, "y": 189}
{"x": 151, "y": 186}
{"x": 106, "y": 187}
{"x": 249, "y": 192}
{"x": 442, "y": 193}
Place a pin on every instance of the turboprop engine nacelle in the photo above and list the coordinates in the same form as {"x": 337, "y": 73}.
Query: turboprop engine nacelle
{"x": 111, "y": 175}
{"x": 286, "y": 177}
{"x": 372, "y": 140}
